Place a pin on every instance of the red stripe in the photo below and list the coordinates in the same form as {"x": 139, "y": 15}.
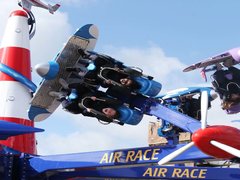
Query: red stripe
{"x": 19, "y": 13}
{"x": 16, "y": 58}
{"x": 23, "y": 143}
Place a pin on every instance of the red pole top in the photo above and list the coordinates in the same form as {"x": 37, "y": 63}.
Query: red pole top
{"x": 19, "y": 13}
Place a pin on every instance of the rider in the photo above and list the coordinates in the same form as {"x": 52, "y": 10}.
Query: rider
{"x": 131, "y": 79}
{"x": 101, "y": 107}
{"x": 227, "y": 85}
{"x": 88, "y": 102}
{"x": 117, "y": 77}
{"x": 109, "y": 71}
{"x": 108, "y": 109}
{"x": 190, "y": 106}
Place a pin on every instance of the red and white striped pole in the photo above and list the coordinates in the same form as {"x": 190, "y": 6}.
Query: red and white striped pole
{"x": 14, "y": 94}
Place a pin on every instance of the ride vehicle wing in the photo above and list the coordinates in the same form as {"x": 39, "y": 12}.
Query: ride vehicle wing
{"x": 227, "y": 59}
{"x": 43, "y": 104}
{"x": 188, "y": 91}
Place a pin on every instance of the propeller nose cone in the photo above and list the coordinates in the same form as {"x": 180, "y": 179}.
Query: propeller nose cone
{"x": 47, "y": 70}
{"x": 42, "y": 69}
{"x": 223, "y": 134}
{"x": 197, "y": 137}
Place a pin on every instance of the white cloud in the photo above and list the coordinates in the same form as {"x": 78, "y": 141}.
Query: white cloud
{"x": 74, "y": 142}
{"x": 51, "y": 34}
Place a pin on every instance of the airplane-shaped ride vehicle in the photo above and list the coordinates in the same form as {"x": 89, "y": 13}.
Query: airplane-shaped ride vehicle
{"x": 225, "y": 79}
{"x": 27, "y": 5}
{"x": 77, "y": 68}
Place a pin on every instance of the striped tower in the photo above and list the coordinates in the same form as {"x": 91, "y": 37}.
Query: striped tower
{"x": 15, "y": 80}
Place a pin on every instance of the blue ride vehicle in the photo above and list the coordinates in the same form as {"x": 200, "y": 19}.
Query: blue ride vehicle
{"x": 131, "y": 79}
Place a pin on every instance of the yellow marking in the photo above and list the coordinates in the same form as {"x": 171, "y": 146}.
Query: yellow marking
{"x": 202, "y": 173}
{"x": 192, "y": 173}
{"x": 117, "y": 156}
{"x": 130, "y": 155}
{"x": 111, "y": 156}
{"x": 148, "y": 172}
{"x": 155, "y": 152}
{"x": 155, "y": 172}
{"x": 187, "y": 173}
{"x": 138, "y": 155}
{"x": 145, "y": 155}
{"x": 104, "y": 158}
{"x": 176, "y": 172}
{"x": 162, "y": 172}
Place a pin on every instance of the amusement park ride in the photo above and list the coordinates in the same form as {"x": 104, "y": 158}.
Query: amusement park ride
{"x": 19, "y": 159}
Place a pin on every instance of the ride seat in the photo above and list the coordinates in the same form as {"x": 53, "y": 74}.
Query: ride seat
{"x": 148, "y": 87}
{"x": 129, "y": 116}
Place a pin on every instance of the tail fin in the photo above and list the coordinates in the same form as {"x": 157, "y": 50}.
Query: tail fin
{"x": 203, "y": 74}
{"x": 54, "y": 8}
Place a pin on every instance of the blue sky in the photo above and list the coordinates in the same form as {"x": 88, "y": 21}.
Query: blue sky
{"x": 178, "y": 27}
{"x": 160, "y": 36}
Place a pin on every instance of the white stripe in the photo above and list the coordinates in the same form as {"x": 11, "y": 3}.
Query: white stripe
{"x": 14, "y": 99}
{"x": 16, "y": 33}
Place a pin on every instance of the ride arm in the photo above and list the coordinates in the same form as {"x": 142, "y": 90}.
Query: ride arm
{"x": 178, "y": 119}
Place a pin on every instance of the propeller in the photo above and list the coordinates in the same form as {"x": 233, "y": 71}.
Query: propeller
{"x": 226, "y": 148}
{"x": 204, "y": 107}
{"x": 176, "y": 153}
